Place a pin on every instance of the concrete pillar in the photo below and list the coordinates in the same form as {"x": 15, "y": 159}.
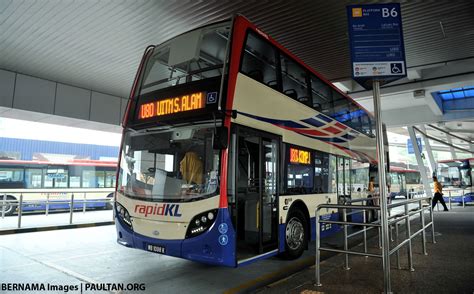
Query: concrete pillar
{"x": 453, "y": 152}
{"x": 429, "y": 151}
{"x": 421, "y": 165}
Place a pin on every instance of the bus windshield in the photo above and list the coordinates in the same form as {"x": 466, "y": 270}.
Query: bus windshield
{"x": 465, "y": 177}
{"x": 412, "y": 178}
{"x": 193, "y": 56}
{"x": 449, "y": 175}
{"x": 171, "y": 164}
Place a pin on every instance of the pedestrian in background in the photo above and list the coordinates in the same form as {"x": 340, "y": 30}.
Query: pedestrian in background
{"x": 438, "y": 193}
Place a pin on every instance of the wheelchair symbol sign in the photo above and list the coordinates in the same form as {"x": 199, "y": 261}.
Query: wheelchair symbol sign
{"x": 211, "y": 98}
{"x": 396, "y": 68}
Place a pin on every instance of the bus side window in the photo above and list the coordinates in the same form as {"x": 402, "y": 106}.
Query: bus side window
{"x": 258, "y": 61}
{"x": 321, "y": 96}
{"x": 294, "y": 80}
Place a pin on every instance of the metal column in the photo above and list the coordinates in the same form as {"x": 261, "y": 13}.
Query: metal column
{"x": 382, "y": 188}
{"x": 419, "y": 160}
{"x": 429, "y": 151}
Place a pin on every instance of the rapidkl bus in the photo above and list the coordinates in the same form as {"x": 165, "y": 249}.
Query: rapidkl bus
{"x": 55, "y": 182}
{"x": 456, "y": 176}
{"x": 405, "y": 182}
{"x": 230, "y": 142}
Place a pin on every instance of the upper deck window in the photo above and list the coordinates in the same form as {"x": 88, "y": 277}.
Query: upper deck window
{"x": 294, "y": 80}
{"x": 259, "y": 61}
{"x": 193, "y": 56}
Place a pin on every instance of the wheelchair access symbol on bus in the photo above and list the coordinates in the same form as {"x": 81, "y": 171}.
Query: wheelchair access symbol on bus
{"x": 223, "y": 228}
{"x": 211, "y": 98}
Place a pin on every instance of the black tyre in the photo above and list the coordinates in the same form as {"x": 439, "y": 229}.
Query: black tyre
{"x": 10, "y": 207}
{"x": 296, "y": 238}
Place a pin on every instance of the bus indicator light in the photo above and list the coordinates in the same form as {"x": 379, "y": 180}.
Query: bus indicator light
{"x": 174, "y": 105}
{"x": 299, "y": 156}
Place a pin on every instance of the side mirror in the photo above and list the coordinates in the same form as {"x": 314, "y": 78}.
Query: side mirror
{"x": 220, "y": 138}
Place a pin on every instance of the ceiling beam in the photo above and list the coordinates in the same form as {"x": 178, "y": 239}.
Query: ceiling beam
{"x": 448, "y": 133}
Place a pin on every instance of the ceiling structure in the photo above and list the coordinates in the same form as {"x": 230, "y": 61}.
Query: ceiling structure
{"x": 97, "y": 45}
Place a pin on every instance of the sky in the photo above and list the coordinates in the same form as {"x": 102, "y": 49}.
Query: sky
{"x": 21, "y": 129}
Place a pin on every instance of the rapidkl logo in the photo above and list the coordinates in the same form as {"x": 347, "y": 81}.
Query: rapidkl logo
{"x": 162, "y": 209}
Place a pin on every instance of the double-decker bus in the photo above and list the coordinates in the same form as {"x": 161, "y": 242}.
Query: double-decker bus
{"x": 405, "y": 182}
{"x": 456, "y": 176}
{"x": 230, "y": 142}
{"x": 55, "y": 182}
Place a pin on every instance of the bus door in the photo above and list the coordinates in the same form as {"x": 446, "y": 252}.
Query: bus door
{"x": 257, "y": 192}
{"x": 343, "y": 182}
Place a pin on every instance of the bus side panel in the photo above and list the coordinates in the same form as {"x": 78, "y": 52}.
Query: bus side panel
{"x": 271, "y": 114}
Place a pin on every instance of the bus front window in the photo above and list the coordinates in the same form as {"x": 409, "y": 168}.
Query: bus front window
{"x": 172, "y": 164}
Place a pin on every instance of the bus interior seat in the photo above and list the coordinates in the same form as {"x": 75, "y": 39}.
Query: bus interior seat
{"x": 317, "y": 106}
{"x": 303, "y": 99}
{"x": 273, "y": 84}
{"x": 291, "y": 92}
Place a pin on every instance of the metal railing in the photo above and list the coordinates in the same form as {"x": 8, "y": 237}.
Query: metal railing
{"x": 72, "y": 204}
{"x": 393, "y": 222}
{"x": 449, "y": 196}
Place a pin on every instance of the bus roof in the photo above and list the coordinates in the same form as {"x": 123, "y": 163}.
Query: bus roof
{"x": 454, "y": 160}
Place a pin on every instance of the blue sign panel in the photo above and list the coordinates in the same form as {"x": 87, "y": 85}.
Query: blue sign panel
{"x": 410, "y": 146}
{"x": 376, "y": 42}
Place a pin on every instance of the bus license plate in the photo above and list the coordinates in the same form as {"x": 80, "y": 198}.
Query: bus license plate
{"x": 156, "y": 248}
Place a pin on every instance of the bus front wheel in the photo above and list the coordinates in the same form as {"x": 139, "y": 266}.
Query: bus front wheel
{"x": 9, "y": 207}
{"x": 295, "y": 235}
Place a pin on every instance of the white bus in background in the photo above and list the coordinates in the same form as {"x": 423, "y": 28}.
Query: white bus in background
{"x": 55, "y": 182}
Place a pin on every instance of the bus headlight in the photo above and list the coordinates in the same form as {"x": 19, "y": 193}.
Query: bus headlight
{"x": 201, "y": 223}
{"x": 123, "y": 214}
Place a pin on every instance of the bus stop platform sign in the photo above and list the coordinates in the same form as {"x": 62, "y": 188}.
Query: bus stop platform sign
{"x": 376, "y": 42}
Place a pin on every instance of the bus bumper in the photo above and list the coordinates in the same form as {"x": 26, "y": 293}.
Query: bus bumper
{"x": 216, "y": 246}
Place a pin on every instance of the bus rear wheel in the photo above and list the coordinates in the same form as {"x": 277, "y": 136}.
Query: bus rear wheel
{"x": 9, "y": 207}
{"x": 295, "y": 235}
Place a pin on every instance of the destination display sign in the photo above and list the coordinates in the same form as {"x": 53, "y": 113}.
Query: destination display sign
{"x": 376, "y": 43}
{"x": 169, "y": 107}
{"x": 300, "y": 156}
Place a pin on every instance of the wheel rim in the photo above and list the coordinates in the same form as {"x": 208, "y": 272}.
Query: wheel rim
{"x": 7, "y": 208}
{"x": 294, "y": 233}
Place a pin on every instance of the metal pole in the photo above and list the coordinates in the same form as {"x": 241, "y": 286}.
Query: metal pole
{"x": 449, "y": 195}
{"x": 47, "y": 203}
{"x": 423, "y": 234}
{"x": 382, "y": 186}
{"x": 346, "y": 245}
{"x": 398, "y": 251}
{"x": 4, "y": 204}
{"x": 71, "y": 209}
{"x": 432, "y": 223}
{"x": 462, "y": 197}
{"x": 84, "y": 204}
{"x": 408, "y": 234}
{"x": 318, "y": 256}
{"x": 364, "y": 216}
{"x": 20, "y": 210}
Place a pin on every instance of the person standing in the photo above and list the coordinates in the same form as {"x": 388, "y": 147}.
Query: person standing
{"x": 438, "y": 193}
{"x": 372, "y": 214}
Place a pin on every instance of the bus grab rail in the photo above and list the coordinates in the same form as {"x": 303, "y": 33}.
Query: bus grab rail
{"x": 393, "y": 220}
{"x": 20, "y": 203}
